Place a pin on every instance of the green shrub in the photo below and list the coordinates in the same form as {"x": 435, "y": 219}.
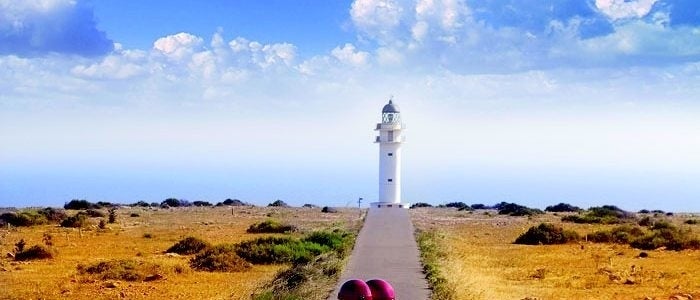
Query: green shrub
{"x": 112, "y": 215}
{"x": 458, "y": 205}
{"x": 272, "y": 250}
{"x": 479, "y": 206}
{"x": 34, "y": 252}
{"x": 420, "y": 204}
{"x": 80, "y": 205}
{"x": 623, "y": 234}
{"x": 77, "y": 221}
{"x": 546, "y": 234}
{"x": 431, "y": 254}
{"x": 606, "y": 214}
{"x": 53, "y": 215}
{"x": 671, "y": 237}
{"x": 93, "y": 213}
{"x": 513, "y": 209}
{"x": 337, "y": 240}
{"x": 121, "y": 269}
{"x": 220, "y": 258}
{"x": 663, "y": 225}
{"x": 188, "y": 245}
{"x": 270, "y": 226}
{"x": 24, "y": 218}
{"x": 646, "y": 221}
{"x": 562, "y": 207}
{"x": 278, "y": 203}
{"x": 692, "y": 222}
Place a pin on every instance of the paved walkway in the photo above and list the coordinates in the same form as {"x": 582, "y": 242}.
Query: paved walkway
{"x": 387, "y": 249}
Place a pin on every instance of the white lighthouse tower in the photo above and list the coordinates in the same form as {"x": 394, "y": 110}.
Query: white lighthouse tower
{"x": 390, "y": 139}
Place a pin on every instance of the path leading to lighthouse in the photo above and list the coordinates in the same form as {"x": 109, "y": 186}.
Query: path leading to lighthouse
{"x": 387, "y": 249}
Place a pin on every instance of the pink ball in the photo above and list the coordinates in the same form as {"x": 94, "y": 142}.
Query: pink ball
{"x": 381, "y": 290}
{"x": 355, "y": 289}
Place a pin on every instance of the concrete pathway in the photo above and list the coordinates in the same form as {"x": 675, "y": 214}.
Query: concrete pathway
{"x": 387, "y": 249}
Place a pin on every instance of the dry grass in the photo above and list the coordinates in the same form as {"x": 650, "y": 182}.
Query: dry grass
{"x": 483, "y": 263}
{"x": 59, "y": 278}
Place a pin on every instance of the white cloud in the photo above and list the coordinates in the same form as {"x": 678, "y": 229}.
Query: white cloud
{"x": 115, "y": 66}
{"x": 625, "y": 9}
{"x": 178, "y": 46}
{"x": 376, "y": 18}
{"x": 351, "y": 56}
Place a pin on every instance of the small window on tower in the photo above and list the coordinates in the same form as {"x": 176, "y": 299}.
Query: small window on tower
{"x": 390, "y": 154}
{"x": 390, "y": 180}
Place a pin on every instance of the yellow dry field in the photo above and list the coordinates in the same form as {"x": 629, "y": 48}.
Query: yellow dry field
{"x": 482, "y": 262}
{"x": 58, "y": 278}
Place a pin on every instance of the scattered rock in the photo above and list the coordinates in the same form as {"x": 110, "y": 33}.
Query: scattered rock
{"x": 10, "y": 255}
{"x": 153, "y": 277}
{"x": 170, "y": 254}
{"x": 110, "y": 285}
{"x": 643, "y": 255}
{"x": 630, "y": 280}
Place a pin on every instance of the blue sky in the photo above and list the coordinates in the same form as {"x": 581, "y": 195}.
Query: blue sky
{"x": 587, "y": 102}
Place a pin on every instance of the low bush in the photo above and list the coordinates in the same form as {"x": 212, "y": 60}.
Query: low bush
{"x": 278, "y": 203}
{"x": 77, "y": 221}
{"x": 121, "y": 269}
{"x": 188, "y": 245}
{"x": 308, "y": 205}
{"x": 272, "y": 250}
{"x": 220, "y": 258}
{"x": 327, "y": 209}
{"x": 24, "y": 218}
{"x": 606, "y": 214}
{"x": 513, "y": 209}
{"x": 337, "y": 240}
{"x": 457, "y": 205}
{"x": 643, "y": 211}
{"x": 420, "y": 204}
{"x": 479, "y": 206}
{"x": 623, "y": 234}
{"x": 173, "y": 202}
{"x": 94, "y": 213}
{"x": 646, "y": 221}
{"x": 271, "y": 226}
{"x": 692, "y": 222}
{"x": 80, "y": 205}
{"x": 53, "y": 215}
{"x": 235, "y": 202}
{"x": 201, "y": 203}
{"x": 34, "y": 252}
{"x": 547, "y": 234}
{"x": 671, "y": 238}
{"x": 140, "y": 204}
{"x": 134, "y": 215}
{"x": 562, "y": 207}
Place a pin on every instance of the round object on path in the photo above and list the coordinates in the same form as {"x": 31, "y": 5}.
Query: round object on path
{"x": 381, "y": 290}
{"x": 354, "y": 289}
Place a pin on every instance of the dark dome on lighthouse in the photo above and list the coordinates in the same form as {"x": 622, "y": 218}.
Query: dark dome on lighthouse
{"x": 390, "y": 108}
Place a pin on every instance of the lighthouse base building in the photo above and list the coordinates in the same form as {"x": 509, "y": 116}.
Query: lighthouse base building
{"x": 390, "y": 140}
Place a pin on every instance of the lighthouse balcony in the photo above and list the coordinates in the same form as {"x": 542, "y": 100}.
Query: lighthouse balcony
{"x": 390, "y": 126}
{"x": 400, "y": 139}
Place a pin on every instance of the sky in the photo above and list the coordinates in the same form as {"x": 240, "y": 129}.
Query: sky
{"x": 586, "y": 102}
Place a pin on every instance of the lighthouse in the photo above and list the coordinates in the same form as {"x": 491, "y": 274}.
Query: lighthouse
{"x": 390, "y": 139}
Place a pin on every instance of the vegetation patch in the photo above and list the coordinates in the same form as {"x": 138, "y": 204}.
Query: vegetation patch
{"x": 235, "y": 202}
{"x": 220, "y": 258}
{"x": 24, "y": 218}
{"x": 79, "y": 220}
{"x": 420, "y": 204}
{"x": 327, "y": 209}
{"x": 623, "y": 234}
{"x": 671, "y": 238}
{"x": 33, "y": 253}
{"x": 81, "y": 204}
{"x": 431, "y": 255}
{"x": 94, "y": 213}
{"x": 272, "y": 250}
{"x": 512, "y": 209}
{"x": 122, "y": 269}
{"x": 188, "y": 245}
{"x": 271, "y": 226}
{"x": 692, "y": 222}
{"x": 278, "y": 203}
{"x": 562, "y": 207}
{"x": 606, "y": 214}
{"x": 547, "y": 234}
